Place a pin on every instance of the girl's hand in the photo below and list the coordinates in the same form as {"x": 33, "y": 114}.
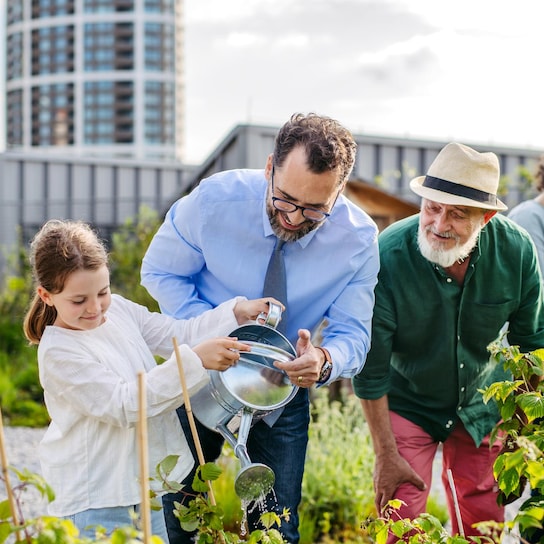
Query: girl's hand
{"x": 249, "y": 310}
{"x": 220, "y": 353}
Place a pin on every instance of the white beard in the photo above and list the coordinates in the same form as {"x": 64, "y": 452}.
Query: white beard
{"x": 446, "y": 257}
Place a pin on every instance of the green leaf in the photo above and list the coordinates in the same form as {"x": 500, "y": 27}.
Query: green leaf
{"x": 535, "y": 473}
{"x": 5, "y": 531}
{"x": 205, "y": 473}
{"x": 532, "y": 405}
{"x": 167, "y": 465}
{"x": 189, "y": 526}
{"x": 500, "y": 391}
{"x": 509, "y": 481}
{"x": 5, "y": 510}
{"x": 508, "y": 409}
{"x": 268, "y": 519}
{"x": 210, "y": 471}
{"x": 37, "y": 481}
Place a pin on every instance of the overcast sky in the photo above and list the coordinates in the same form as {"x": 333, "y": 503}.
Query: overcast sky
{"x": 465, "y": 70}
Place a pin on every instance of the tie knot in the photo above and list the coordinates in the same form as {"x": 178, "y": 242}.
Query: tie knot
{"x": 279, "y": 244}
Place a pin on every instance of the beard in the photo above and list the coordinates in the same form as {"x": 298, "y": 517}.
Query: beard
{"x": 289, "y": 235}
{"x": 447, "y": 257}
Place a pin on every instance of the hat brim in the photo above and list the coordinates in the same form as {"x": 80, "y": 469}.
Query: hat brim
{"x": 447, "y": 198}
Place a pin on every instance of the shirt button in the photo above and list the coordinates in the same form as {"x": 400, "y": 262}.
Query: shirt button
{"x": 449, "y": 280}
{"x": 462, "y": 389}
{"x": 462, "y": 365}
{"x": 459, "y": 408}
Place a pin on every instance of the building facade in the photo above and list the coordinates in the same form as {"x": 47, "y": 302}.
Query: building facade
{"x": 95, "y": 77}
{"x": 389, "y": 163}
{"x": 106, "y": 192}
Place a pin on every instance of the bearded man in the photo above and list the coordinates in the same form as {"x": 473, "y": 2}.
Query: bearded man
{"x": 216, "y": 243}
{"x": 450, "y": 278}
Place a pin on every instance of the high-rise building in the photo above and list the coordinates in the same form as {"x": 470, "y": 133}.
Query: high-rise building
{"x": 95, "y": 77}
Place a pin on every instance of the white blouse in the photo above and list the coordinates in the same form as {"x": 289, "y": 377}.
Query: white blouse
{"x": 89, "y": 454}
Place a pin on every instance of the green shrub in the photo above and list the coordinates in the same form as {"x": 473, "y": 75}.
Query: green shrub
{"x": 128, "y": 246}
{"x": 21, "y": 394}
{"x": 337, "y": 484}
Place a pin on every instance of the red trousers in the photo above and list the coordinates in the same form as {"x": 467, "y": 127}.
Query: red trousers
{"x": 471, "y": 468}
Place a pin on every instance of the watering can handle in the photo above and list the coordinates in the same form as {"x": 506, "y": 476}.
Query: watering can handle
{"x": 270, "y": 318}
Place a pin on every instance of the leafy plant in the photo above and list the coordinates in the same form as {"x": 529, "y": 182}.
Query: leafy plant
{"x": 337, "y": 484}
{"x": 128, "y": 246}
{"x": 521, "y": 406}
{"x": 208, "y": 518}
{"x": 49, "y": 529}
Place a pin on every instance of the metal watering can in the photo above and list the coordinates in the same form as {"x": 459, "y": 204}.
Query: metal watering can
{"x": 237, "y": 397}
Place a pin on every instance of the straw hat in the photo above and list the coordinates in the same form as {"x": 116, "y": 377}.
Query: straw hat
{"x": 461, "y": 176}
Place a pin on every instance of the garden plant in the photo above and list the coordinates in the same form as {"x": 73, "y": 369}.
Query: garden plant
{"x": 521, "y": 406}
{"x": 337, "y": 504}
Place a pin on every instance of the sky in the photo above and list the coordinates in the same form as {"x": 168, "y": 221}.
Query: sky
{"x": 463, "y": 70}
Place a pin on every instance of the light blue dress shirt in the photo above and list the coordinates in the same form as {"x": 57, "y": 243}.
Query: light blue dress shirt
{"x": 215, "y": 243}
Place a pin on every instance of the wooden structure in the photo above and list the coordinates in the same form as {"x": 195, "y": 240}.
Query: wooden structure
{"x": 383, "y": 207}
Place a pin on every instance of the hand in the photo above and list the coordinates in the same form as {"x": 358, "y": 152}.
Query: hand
{"x": 305, "y": 369}
{"x": 220, "y": 353}
{"x": 390, "y": 471}
{"x": 249, "y": 310}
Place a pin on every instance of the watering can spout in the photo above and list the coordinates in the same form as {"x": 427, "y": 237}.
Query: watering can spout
{"x": 254, "y": 480}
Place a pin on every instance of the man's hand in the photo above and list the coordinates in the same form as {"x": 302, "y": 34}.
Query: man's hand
{"x": 304, "y": 370}
{"x": 390, "y": 471}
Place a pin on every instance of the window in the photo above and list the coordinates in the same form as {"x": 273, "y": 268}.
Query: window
{"x": 159, "y": 47}
{"x": 14, "y": 57}
{"x": 109, "y": 112}
{"x": 109, "y": 46}
{"x": 159, "y": 112}
{"x": 52, "y": 114}
{"x": 53, "y": 50}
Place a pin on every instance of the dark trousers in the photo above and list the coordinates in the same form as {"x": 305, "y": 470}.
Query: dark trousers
{"x": 282, "y": 447}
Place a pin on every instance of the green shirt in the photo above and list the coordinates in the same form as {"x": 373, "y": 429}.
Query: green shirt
{"x": 430, "y": 335}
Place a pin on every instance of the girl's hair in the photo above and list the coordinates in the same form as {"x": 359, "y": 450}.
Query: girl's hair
{"x": 59, "y": 249}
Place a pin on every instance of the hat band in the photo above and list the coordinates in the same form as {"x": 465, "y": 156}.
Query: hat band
{"x": 459, "y": 190}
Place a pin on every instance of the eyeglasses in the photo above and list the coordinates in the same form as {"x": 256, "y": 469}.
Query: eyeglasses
{"x": 311, "y": 214}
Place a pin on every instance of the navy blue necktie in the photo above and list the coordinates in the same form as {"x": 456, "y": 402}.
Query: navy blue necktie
{"x": 275, "y": 284}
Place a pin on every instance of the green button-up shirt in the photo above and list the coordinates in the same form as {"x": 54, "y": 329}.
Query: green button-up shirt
{"x": 430, "y": 334}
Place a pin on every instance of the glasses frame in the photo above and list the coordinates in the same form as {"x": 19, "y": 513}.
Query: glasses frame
{"x": 296, "y": 207}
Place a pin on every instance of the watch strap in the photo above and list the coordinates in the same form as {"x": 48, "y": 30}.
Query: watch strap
{"x": 326, "y": 369}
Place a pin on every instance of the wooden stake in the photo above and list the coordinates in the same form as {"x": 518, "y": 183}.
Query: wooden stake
{"x": 5, "y": 473}
{"x": 145, "y": 506}
{"x": 456, "y": 503}
{"x": 190, "y": 416}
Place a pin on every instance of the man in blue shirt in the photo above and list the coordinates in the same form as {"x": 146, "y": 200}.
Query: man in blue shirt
{"x": 450, "y": 278}
{"x": 216, "y": 242}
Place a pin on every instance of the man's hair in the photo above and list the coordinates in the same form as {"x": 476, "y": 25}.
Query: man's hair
{"x": 328, "y": 145}
{"x": 539, "y": 175}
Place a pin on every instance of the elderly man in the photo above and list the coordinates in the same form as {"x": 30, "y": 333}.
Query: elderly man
{"x": 450, "y": 278}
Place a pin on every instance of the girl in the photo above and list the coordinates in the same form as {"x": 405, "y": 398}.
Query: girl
{"x": 92, "y": 344}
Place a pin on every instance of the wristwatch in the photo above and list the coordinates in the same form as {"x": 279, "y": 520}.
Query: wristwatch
{"x": 326, "y": 369}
